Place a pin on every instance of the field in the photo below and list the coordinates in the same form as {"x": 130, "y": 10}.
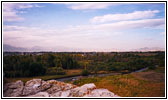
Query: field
{"x": 150, "y": 83}
{"x": 72, "y": 72}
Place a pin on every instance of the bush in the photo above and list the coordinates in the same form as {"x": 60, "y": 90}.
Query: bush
{"x": 152, "y": 67}
{"x": 36, "y": 69}
{"x": 85, "y": 72}
{"x": 55, "y": 71}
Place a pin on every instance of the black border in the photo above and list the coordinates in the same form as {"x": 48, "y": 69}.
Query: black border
{"x": 89, "y": 98}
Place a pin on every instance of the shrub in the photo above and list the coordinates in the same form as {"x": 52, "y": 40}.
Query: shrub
{"x": 55, "y": 71}
{"x": 151, "y": 67}
{"x": 36, "y": 69}
{"x": 85, "y": 72}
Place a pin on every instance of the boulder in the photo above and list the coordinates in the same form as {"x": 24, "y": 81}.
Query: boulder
{"x": 13, "y": 89}
{"x": 61, "y": 94}
{"x": 59, "y": 86}
{"x": 31, "y": 87}
{"x": 40, "y": 94}
{"x": 83, "y": 90}
{"x": 53, "y": 88}
{"x": 45, "y": 85}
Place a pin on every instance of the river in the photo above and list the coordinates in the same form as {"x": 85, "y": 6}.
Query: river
{"x": 73, "y": 78}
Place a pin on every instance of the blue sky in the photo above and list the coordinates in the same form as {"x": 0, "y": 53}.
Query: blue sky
{"x": 85, "y": 26}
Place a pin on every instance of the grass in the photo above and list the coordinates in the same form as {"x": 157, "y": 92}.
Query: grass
{"x": 69, "y": 73}
{"x": 150, "y": 83}
{"x": 140, "y": 84}
{"x": 158, "y": 70}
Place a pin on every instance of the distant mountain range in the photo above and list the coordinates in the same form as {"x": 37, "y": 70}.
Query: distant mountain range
{"x": 150, "y": 49}
{"x": 9, "y": 48}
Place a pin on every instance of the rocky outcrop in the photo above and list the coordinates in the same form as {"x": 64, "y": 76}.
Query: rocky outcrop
{"x": 32, "y": 87}
{"x": 53, "y": 88}
{"x": 14, "y": 89}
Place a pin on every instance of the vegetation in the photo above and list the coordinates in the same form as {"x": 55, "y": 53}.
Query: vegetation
{"x": 34, "y": 65}
{"x": 85, "y": 72}
{"x": 55, "y": 71}
{"x": 55, "y": 63}
{"x": 149, "y": 83}
{"x": 142, "y": 84}
{"x": 69, "y": 73}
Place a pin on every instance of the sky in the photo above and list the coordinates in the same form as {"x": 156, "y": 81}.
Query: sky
{"x": 86, "y": 26}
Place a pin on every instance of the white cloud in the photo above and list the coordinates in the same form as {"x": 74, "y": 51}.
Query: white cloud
{"x": 11, "y": 16}
{"x": 38, "y": 6}
{"x": 10, "y": 10}
{"x": 84, "y": 34}
{"x": 89, "y": 6}
{"x": 125, "y": 25}
{"x": 163, "y": 33}
{"x": 86, "y": 6}
{"x": 111, "y": 28}
{"x": 121, "y": 17}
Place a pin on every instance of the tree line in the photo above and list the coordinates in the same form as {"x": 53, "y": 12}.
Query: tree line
{"x": 56, "y": 63}
{"x": 34, "y": 65}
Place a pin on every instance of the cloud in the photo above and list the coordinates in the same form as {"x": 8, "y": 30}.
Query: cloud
{"x": 10, "y": 11}
{"x": 162, "y": 33}
{"x": 11, "y": 16}
{"x": 122, "y": 17}
{"x": 86, "y": 6}
{"x": 40, "y": 36}
{"x": 89, "y": 6}
{"x": 125, "y": 25}
{"x": 38, "y": 6}
{"x": 86, "y": 29}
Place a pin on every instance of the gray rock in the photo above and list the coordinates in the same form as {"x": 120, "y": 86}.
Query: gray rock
{"x": 13, "y": 89}
{"x": 58, "y": 86}
{"x": 56, "y": 94}
{"x": 65, "y": 93}
{"x": 83, "y": 90}
{"x": 40, "y": 94}
{"x": 45, "y": 85}
{"x": 53, "y": 88}
{"x": 61, "y": 94}
{"x": 31, "y": 87}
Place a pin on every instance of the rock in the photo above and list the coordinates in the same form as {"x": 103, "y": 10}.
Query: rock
{"x": 13, "y": 89}
{"x": 53, "y": 88}
{"x": 56, "y": 94}
{"x": 61, "y": 94}
{"x": 45, "y": 85}
{"x": 101, "y": 93}
{"x": 59, "y": 86}
{"x": 83, "y": 90}
{"x": 32, "y": 87}
{"x": 40, "y": 94}
{"x": 65, "y": 93}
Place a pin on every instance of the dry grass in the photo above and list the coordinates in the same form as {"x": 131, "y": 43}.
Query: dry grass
{"x": 150, "y": 76}
{"x": 69, "y": 73}
{"x": 130, "y": 86}
{"x": 129, "y": 81}
{"x": 73, "y": 71}
{"x": 140, "y": 84}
